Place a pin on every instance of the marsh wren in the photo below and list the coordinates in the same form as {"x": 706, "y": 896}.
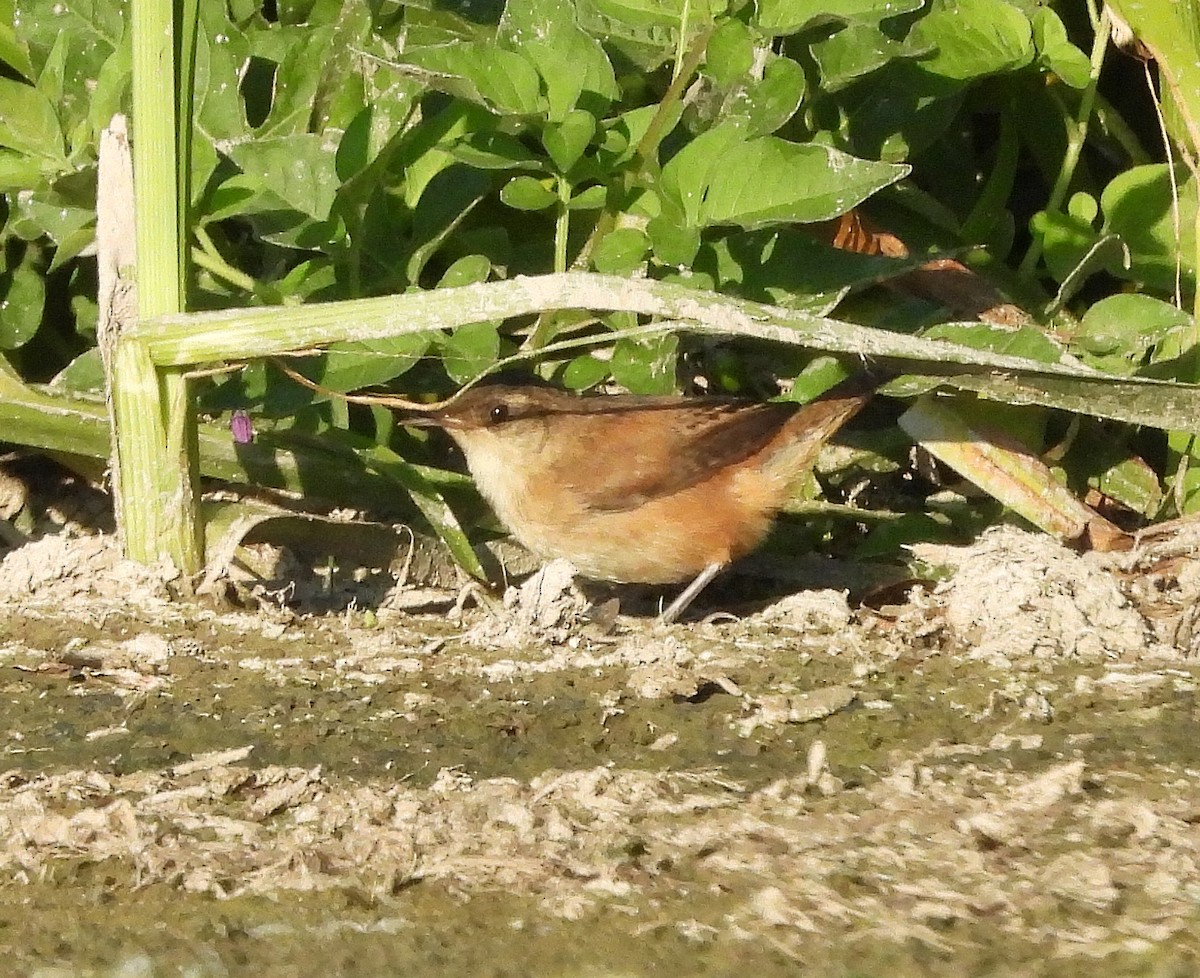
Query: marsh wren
{"x": 636, "y": 489}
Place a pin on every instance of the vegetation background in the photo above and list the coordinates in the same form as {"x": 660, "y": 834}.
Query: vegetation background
{"x": 771, "y": 151}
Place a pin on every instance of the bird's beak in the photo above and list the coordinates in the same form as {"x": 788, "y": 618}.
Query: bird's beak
{"x": 429, "y": 419}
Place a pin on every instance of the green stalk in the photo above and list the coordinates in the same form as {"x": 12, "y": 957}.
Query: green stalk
{"x": 57, "y": 424}
{"x": 227, "y": 334}
{"x": 562, "y": 225}
{"x": 79, "y": 427}
{"x": 140, "y": 441}
{"x": 685, "y": 23}
{"x": 156, "y": 455}
{"x": 181, "y": 341}
{"x": 1077, "y": 131}
{"x": 645, "y": 158}
{"x": 185, "y": 71}
{"x": 182, "y": 526}
{"x": 206, "y": 256}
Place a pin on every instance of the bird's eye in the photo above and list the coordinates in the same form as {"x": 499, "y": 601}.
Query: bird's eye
{"x": 498, "y": 414}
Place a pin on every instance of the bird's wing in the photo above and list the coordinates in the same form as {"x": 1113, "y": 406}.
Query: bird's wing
{"x": 706, "y": 436}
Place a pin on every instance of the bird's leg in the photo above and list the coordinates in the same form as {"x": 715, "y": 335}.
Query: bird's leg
{"x": 688, "y": 594}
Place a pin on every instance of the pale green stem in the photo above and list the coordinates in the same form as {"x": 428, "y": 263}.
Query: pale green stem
{"x": 207, "y": 256}
{"x": 562, "y": 224}
{"x": 154, "y": 430}
{"x": 645, "y": 158}
{"x": 1077, "y": 132}
{"x": 685, "y": 17}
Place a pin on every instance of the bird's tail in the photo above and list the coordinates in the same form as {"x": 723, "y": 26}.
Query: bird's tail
{"x": 793, "y": 451}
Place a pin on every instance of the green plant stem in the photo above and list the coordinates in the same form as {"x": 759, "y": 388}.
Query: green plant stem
{"x": 156, "y": 181}
{"x": 141, "y": 443}
{"x": 647, "y": 148}
{"x": 1113, "y": 124}
{"x": 562, "y": 224}
{"x": 206, "y": 337}
{"x": 154, "y": 430}
{"x": 1169, "y": 31}
{"x": 645, "y": 157}
{"x": 1077, "y": 132}
{"x": 207, "y": 256}
{"x": 982, "y": 220}
{"x": 685, "y": 17}
{"x": 79, "y": 427}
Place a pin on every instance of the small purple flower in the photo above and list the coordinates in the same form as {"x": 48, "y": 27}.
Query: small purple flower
{"x": 242, "y": 428}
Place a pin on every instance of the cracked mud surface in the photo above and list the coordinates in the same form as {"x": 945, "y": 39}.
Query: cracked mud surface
{"x": 999, "y": 776}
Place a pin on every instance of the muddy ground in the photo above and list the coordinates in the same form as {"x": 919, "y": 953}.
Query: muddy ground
{"x": 998, "y": 775}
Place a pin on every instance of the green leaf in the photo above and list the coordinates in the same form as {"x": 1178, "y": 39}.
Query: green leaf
{"x": 231, "y": 197}
{"x": 426, "y": 151}
{"x": 790, "y": 268}
{"x": 526, "y": 193}
{"x": 730, "y": 53}
{"x": 1138, "y": 206}
{"x": 450, "y": 197}
{"x": 900, "y": 111}
{"x": 565, "y": 141}
{"x": 855, "y": 51}
{"x": 83, "y": 375}
{"x": 792, "y": 182}
{"x": 28, "y": 122}
{"x": 111, "y": 91}
{"x": 790, "y": 16}
{"x": 1117, "y": 332}
{"x": 774, "y": 100}
{"x": 802, "y": 182}
{"x": 39, "y": 22}
{"x": 351, "y": 366}
{"x": 584, "y": 372}
{"x": 590, "y": 198}
{"x": 50, "y": 78}
{"x": 1066, "y": 240}
{"x": 308, "y": 279}
{"x": 222, "y": 53}
{"x": 298, "y": 79}
{"x": 69, "y": 44}
{"x": 626, "y": 132}
{"x": 621, "y": 251}
{"x": 470, "y": 350}
{"x": 974, "y": 38}
{"x": 1055, "y": 52}
{"x": 354, "y": 150}
{"x": 659, "y": 13}
{"x": 502, "y": 80}
{"x": 572, "y": 64}
{"x": 18, "y": 172}
{"x": 492, "y": 150}
{"x": 1029, "y": 342}
{"x": 13, "y": 51}
{"x": 646, "y": 366}
{"x": 816, "y": 378}
{"x": 466, "y": 271}
{"x": 684, "y": 179}
{"x": 300, "y": 170}
{"x": 71, "y": 228}
{"x": 22, "y": 299}
{"x": 672, "y": 243}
